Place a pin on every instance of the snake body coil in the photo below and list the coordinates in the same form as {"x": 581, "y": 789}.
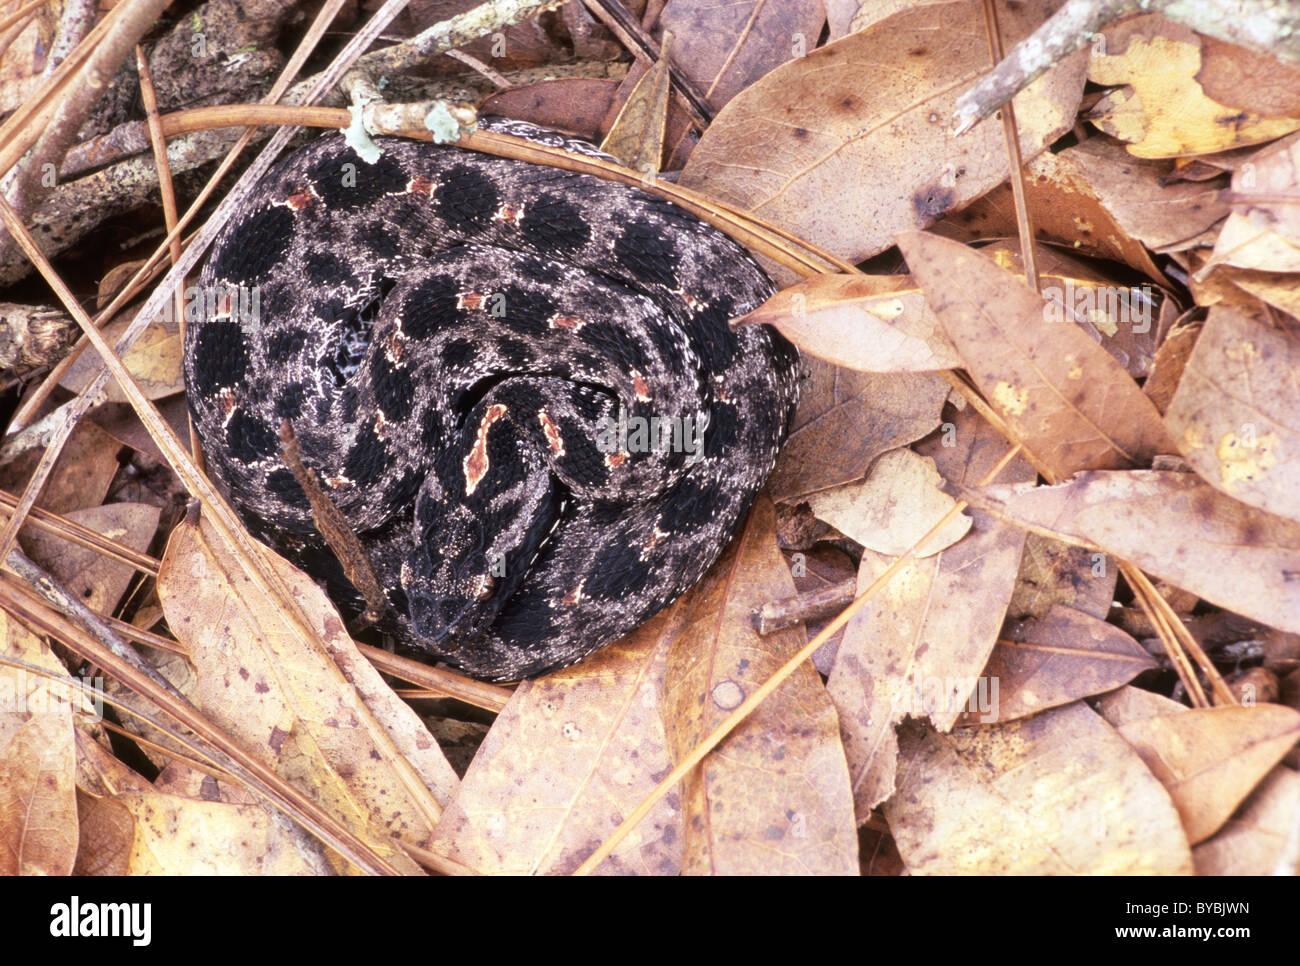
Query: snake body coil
{"x": 517, "y": 383}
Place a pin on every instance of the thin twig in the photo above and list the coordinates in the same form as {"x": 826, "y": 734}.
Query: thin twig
{"x": 21, "y": 12}
{"x": 637, "y": 39}
{"x": 1017, "y": 173}
{"x": 777, "y": 615}
{"x": 81, "y": 536}
{"x": 334, "y": 527}
{"x": 168, "y": 193}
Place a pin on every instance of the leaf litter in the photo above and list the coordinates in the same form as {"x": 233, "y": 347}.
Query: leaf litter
{"x": 1010, "y": 702}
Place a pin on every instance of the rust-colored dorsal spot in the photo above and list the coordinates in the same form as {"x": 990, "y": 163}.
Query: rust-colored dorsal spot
{"x": 224, "y": 305}
{"x": 652, "y": 541}
{"x": 691, "y": 301}
{"x": 640, "y": 387}
{"x": 476, "y": 460}
{"x": 573, "y": 596}
{"x": 561, "y": 321}
{"x": 615, "y": 459}
{"x": 395, "y": 347}
{"x": 553, "y": 438}
{"x": 470, "y": 300}
{"x": 421, "y": 186}
{"x": 509, "y": 213}
{"x": 301, "y": 199}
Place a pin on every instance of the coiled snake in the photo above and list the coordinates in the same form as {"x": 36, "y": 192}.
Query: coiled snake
{"x": 517, "y": 383}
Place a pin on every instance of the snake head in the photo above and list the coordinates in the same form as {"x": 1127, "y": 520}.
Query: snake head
{"x": 475, "y": 551}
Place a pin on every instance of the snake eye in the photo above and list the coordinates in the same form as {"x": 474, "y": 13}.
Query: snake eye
{"x": 487, "y": 584}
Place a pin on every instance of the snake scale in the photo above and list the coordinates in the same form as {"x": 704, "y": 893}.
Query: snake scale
{"x": 517, "y": 383}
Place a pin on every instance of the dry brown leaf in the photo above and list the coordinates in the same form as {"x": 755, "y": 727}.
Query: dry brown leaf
{"x": 97, "y": 581}
{"x": 1129, "y": 704}
{"x": 1099, "y": 199}
{"x": 1056, "y": 793}
{"x": 921, "y": 643}
{"x": 120, "y": 421}
{"x": 1176, "y": 527}
{"x": 851, "y": 144}
{"x": 871, "y": 12}
{"x": 171, "y": 835}
{"x": 1263, "y": 231}
{"x": 846, "y": 419}
{"x": 893, "y": 507}
{"x": 1277, "y": 289}
{"x": 774, "y": 798}
{"x": 1236, "y": 414}
{"x": 1211, "y": 758}
{"x": 1160, "y": 109}
{"x": 99, "y": 772}
{"x": 80, "y": 478}
{"x": 1241, "y": 78}
{"x": 839, "y": 16}
{"x": 1053, "y": 572}
{"x": 154, "y": 359}
{"x": 106, "y": 830}
{"x": 1066, "y": 398}
{"x": 573, "y": 104}
{"x": 1134, "y": 193}
{"x": 290, "y": 702}
{"x": 1167, "y": 367}
{"x": 725, "y": 47}
{"x": 872, "y": 323}
{"x": 1251, "y": 842}
{"x": 1122, "y": 319}
{"x": 636, "y": 137}
{"x": 21, "y": 65}
{"x": 1063, "y": 657}
{"x": 566, "y": 761}
{"x": 38, "y": 806}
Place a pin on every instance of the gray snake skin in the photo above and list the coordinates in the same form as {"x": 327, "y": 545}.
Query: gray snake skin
{"x": 517, "y": 383}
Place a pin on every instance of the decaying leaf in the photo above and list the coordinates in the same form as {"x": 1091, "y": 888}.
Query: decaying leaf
{"x": 872, "y": 323}
{"x": 1056, "y": 793}
{"x": 774, "y": 798}
{"x": 1263, "y": 231}
{"x": 81, "y": 477}
{"x": 1054, "y": 572}
{"x": 95, "y": 579}
{"x": 1252, "y": 842}
{"x": 170, "y": 835}
{"x": 1209, "y": 759}
{"x": 1176, "y": 527}
{"x": 1244, "y": 78}
{"x": 38, "y": 808}
{"x": 570, "y": 756}
{"x": 1160, "y": 109}
{"x": 1060, "y": 658}
{"x": 918, "y": 648}
{"x": 1099, "y": 199}
{"x": 725, "y": 47}
{"x": 289, "y": 702}
{"x": 1236, "y": 414}
{"x": 846, "y": 419}
{"x": 893, "y": 507}
{"x": 1067, "y": 399}
{"x": 154, "y": 359}
{"x": 850, "y": 145}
